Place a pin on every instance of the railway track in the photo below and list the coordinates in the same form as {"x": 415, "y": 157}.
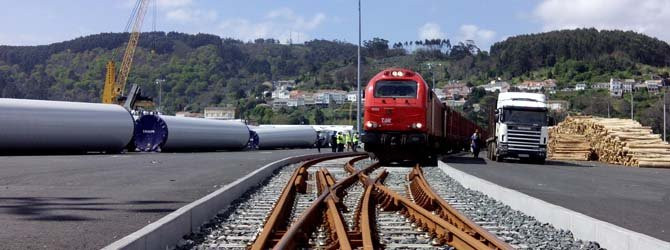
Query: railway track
{"x": 351, "y": 203}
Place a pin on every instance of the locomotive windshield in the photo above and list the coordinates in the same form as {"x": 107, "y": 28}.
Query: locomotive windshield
{"x": 535, "y": 117}
{"x": 398, "y": 89}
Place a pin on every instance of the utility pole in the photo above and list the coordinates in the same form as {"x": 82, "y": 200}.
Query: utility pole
{"x": 358, "y": 88}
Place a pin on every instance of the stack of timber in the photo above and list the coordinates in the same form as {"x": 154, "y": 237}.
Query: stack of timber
{"x": 565, "y": 146}
{"x": 620, "y": 141}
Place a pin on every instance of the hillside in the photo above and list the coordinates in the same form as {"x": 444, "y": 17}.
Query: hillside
{"x": 203, "y": 70}
{"x": 580, "y": 55}
{"x": 200, "y": 69}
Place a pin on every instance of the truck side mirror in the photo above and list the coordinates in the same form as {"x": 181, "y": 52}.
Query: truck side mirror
{"x": 497, "y": 117}
{"x": 496, "y": 111}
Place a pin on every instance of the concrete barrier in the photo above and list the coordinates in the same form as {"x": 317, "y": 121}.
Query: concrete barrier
{"x": 582, "y": 226}
{"x": 166, "y": 232}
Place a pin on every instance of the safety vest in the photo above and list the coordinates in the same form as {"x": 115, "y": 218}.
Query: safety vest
{"x": 340, "y": 139}
{"x": 347, "y": 138}
{"x": 354, "y": 139}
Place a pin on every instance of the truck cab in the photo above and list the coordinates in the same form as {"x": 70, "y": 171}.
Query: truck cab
{"x": 520, "y": 127}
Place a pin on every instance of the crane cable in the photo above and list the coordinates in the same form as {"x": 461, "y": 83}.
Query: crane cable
{"x": 153, "y": 27}
{"x": 115, "y": 51}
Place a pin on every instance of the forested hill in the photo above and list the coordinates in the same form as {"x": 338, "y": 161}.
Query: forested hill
{"x": 202, "y": 70}
{"x": 600, "y": 50}
{"x": 29, "y": 56}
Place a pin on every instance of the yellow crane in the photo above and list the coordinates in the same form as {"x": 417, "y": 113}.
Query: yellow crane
{"x": 115, "y": 86}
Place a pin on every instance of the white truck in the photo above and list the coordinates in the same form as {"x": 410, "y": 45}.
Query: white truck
{"x": 518, "y": 127}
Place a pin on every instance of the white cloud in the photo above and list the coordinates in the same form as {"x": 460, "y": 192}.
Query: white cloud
{"x": 183, "y": 11}
{"x": 646, "y": 16}
{"x": 244, "y": 29}
{"x": 282, "y": 24}
{"x": 174, "y": 3}
{"x": 191, "y": 15}
{"x": 472, "y": 32}
{"x": 178, "y": 15}
{"x": 28, "y": 39}
{"x": 298, "y": 22}
{"x": 431, "y": 30}
{"x": 478, "y": 35}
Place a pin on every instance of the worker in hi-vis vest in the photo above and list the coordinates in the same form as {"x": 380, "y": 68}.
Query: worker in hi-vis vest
{"x": 354, "y": 142}
{"x": 347, "y": 140}
{"x": 340, "y": 142}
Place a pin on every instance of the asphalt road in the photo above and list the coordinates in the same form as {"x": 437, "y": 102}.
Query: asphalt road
{"x": 634, "y": 198}
{"x": 89, "y": 201}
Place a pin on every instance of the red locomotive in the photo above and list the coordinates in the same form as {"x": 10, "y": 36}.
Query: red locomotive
{"x": 404, "y": 120}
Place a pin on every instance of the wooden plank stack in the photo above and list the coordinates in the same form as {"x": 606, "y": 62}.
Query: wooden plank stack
{"x": 564, "y": 146}
{"x": 618, "y": 141}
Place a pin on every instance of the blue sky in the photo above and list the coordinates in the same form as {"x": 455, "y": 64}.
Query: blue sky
{"x": 31, "y": 22}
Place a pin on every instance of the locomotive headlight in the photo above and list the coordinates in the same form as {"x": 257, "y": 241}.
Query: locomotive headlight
{"x": 419, "y": 125}
{"x": 371, "y": 124}
{"x": 400, "y": 73}
{"x": 394, "y": 73}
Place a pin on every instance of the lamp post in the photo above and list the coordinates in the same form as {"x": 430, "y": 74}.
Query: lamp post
{"x": 358, "y": 77}
{"x": 432, "y": 74}
{"x": 160, "y": 93}
{"x": 631, "y": 105}
{"x": 430, "y": 93}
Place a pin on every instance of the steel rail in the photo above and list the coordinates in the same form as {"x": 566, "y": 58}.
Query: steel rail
{"x": 442, "y": 230}
{"x": 338, "y": 232}
{"x": 426, "y": 197}
{"x": 428, "y": 212}
{"x": 276, "y": 224}
{"x": 349, "y": 166}
{"x": 365, "y": 216}
{"x": 299, "y": 231}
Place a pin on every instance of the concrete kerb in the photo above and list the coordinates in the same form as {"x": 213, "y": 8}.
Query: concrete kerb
{"x": 166, "y": 232}
{"x": 582, "y": 226}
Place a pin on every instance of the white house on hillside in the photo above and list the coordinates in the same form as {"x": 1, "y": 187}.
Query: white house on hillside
{"x": 616, "y": 88}
{"x": 497, "y": 85}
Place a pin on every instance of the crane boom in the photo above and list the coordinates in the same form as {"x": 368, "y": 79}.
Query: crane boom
{"x": 132, "y": 44}
{"x": 114, "y": 86}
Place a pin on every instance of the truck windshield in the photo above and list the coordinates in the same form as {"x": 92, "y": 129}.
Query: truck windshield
{"x": 398, "y": 89}
{"x": 535, "y": 117}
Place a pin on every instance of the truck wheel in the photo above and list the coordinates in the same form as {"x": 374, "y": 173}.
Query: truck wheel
{"x": 494, "y": 156}
{"x": 491, "y": 152}
{"x": 497, "y": 157}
